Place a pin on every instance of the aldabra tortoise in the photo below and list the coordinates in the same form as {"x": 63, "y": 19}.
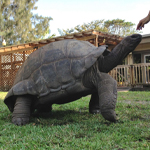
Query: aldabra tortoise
{"x": 64, "y": 71}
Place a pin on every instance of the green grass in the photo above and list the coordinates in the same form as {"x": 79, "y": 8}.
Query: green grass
{"x": 71, "y": 127}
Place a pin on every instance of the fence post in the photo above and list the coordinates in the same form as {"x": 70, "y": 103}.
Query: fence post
{"x": 96, "y": 41}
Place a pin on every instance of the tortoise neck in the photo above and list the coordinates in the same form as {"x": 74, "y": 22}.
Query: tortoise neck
{"x": 107, "y": 63}
{"x": 90, "y": 77}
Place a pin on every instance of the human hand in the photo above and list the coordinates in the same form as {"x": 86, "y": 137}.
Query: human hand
{"x": 143, "y": 22}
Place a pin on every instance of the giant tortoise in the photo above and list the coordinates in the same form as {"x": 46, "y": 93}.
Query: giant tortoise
{"x": 64, "y": 71}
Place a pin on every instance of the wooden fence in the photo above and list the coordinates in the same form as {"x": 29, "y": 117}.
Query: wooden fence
{"x": 132, "y": 75}
{"x": 125, "y": 75}
{"x": 9, "y": 65}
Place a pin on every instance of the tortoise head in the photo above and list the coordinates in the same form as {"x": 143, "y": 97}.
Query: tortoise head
{"x": 120, "y": 51}
{"x": 131, "y": 41}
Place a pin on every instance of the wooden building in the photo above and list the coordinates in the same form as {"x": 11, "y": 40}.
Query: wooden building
{"x": 12, "y": 57}
{"x": 135, "y": 69}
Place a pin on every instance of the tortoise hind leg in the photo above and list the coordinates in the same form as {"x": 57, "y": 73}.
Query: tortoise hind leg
{"x": 22, "y": 110}
{"x": 44, "y": 108}
{"x": 94, "y": 106}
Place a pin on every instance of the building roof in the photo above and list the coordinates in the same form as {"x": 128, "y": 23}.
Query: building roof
{"x": 95, "y": 37}
{"x": 144, "y": 44}
{"x": 145, "y": 35}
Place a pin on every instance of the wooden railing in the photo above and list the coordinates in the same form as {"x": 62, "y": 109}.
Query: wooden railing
{"x": 132, "y": 75}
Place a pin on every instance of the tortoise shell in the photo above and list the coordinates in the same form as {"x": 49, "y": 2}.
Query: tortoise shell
{"x": 53, "y": 67}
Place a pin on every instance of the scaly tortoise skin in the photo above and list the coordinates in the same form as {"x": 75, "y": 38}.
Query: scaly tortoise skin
{"x": 64, "y": 71}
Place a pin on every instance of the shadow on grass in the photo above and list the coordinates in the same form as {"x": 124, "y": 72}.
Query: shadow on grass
{"x": 58, "y": 114}
{"x": 61, "y": 117}
{"x": 64, "y": 117}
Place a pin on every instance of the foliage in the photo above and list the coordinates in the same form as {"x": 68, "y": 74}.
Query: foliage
{"x": 65, "y": 32}
{"x": 115, "y": 26}
{"x": 120, "y": 27}
{"x": 48, "y": 35}
{"x": 18, "y": 24}
{"x": 97, "y": 25}
{"x": 70, "y": 126}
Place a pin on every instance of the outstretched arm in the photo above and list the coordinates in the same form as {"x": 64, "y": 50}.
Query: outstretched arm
{"x": 143, "y": 21}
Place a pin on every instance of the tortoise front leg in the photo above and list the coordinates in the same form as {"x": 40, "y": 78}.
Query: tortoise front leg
{"x": 107, "y": 91}
{"x": 22, "y": 110}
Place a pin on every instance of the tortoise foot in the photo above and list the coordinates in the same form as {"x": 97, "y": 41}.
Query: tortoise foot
{"x": 20, "y": 121}
{"x": 22, "y": 110}
{"x": 109, "y": 115}
{"x": 95, "y": 111}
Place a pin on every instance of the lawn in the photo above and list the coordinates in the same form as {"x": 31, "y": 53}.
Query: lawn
{"x": 71, "y": 127}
